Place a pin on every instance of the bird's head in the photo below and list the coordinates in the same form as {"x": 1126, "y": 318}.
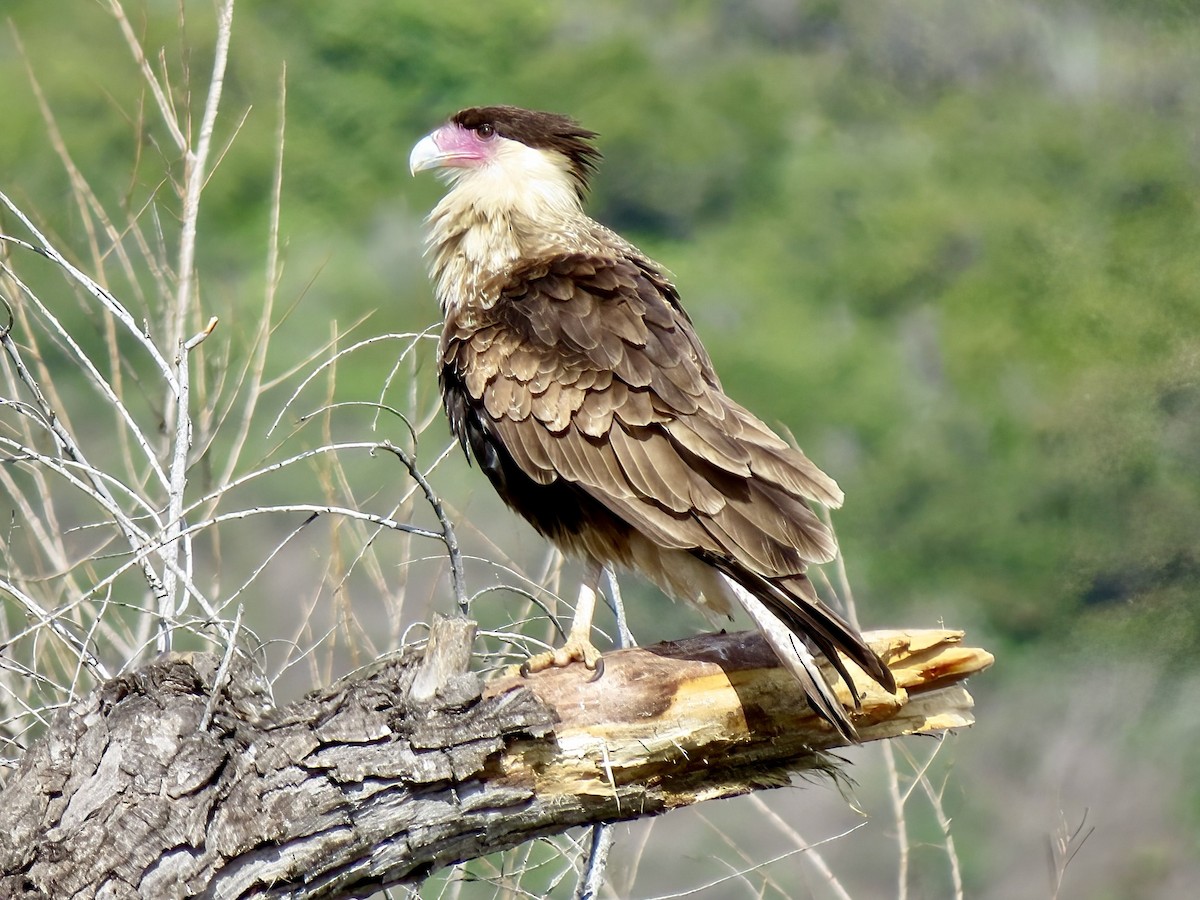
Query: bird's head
{"x": 510, "y": 150}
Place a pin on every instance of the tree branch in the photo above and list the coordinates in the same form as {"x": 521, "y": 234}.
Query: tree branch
{"x": 412, "y": 764}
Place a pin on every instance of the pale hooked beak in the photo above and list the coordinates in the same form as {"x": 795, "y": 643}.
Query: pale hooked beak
{"x": 426, "y": 155}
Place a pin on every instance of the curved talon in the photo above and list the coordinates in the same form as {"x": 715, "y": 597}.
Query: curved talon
{"x": 599, "y": 667}
{"x": 571, "y": 651}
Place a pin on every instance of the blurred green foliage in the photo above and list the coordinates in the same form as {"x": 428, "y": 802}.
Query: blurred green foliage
{"x": 952, "y": 246}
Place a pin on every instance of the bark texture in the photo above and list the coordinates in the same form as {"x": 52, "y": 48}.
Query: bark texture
{"x": 179, "y": 780}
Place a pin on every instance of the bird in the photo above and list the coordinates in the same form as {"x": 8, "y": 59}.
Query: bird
{"x": 573, "y": 375}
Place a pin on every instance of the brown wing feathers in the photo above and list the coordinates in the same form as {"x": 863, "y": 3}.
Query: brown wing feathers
{"x": 584, "y": 383}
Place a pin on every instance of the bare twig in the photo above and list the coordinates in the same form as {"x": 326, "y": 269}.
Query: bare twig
{"x": 901, "y": 821}
{"x": 179, "y": 417}
{"x": 939, "y": 810}
{"x": 42, "y": 617}
{"x": 413, "y": 339}
{"x": 195, "y": 175}
{"x": 597, "y": 862}
{"x": 448, "y": 535}
{"x": 107, "y": 392}
{"x": 757, "y": 866}
{"x": 95, "y": 482}
{"x": 222, "y": 672}
{"x": 625, "y": 637}
{"x": 107, "y": 300}
{"x": 1064, "y": 844}
{"x": 165, "y": 107}
{"x": 255, "y": 367}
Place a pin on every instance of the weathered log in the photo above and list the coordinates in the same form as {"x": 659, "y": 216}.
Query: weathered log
{"x": 414, "y": 764}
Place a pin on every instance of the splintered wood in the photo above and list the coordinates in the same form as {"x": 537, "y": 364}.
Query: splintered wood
{"x": 713, "y": 716}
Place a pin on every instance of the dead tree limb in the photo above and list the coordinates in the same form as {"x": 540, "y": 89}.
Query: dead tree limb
{"x": 413, "y": 764}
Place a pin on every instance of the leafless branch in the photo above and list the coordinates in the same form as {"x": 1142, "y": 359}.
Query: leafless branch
{"x": 1064, "y": 844}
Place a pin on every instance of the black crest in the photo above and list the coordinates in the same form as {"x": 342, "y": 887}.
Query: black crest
{"x": 541, "y": 130}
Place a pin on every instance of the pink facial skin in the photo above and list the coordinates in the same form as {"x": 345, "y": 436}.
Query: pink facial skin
{"x": 451, "y": 146}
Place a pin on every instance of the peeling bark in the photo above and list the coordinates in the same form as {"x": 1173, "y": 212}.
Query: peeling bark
{"x": 414, "y": 764}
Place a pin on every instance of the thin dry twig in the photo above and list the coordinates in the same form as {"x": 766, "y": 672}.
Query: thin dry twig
{"x": 937, "y": 804}
{"x": 1062, "y": 848}
{"x": 222, "y": 672}
{"x": 252, "y": 373}
{"x": 178, "y": 406}
{"x": 897, "y": 797}
{"x": 740, "y": 873}
{"x": 448, "y": 535}
{"x": 813, "y": 856}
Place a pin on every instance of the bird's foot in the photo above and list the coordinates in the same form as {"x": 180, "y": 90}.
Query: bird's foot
{"x": 572, "y": 651}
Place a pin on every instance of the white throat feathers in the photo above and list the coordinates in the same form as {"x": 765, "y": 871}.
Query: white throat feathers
{"x": 521, "y": 204}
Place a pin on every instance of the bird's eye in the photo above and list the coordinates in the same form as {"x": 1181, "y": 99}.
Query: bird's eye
{"x": 485, "y": 130}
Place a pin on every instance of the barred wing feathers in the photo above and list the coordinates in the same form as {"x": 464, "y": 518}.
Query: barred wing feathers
{"x": 584, "y": 384}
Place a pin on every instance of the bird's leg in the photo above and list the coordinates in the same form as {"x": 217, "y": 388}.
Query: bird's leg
{"x": 579, "y": 645}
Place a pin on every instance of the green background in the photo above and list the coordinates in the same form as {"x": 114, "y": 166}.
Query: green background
{"x": 952, "y": 247}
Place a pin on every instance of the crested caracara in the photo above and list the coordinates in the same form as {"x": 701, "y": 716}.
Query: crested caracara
{"x": 572, "y": 374}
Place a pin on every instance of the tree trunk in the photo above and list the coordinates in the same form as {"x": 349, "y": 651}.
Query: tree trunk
{"x": 158, "y": 786}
